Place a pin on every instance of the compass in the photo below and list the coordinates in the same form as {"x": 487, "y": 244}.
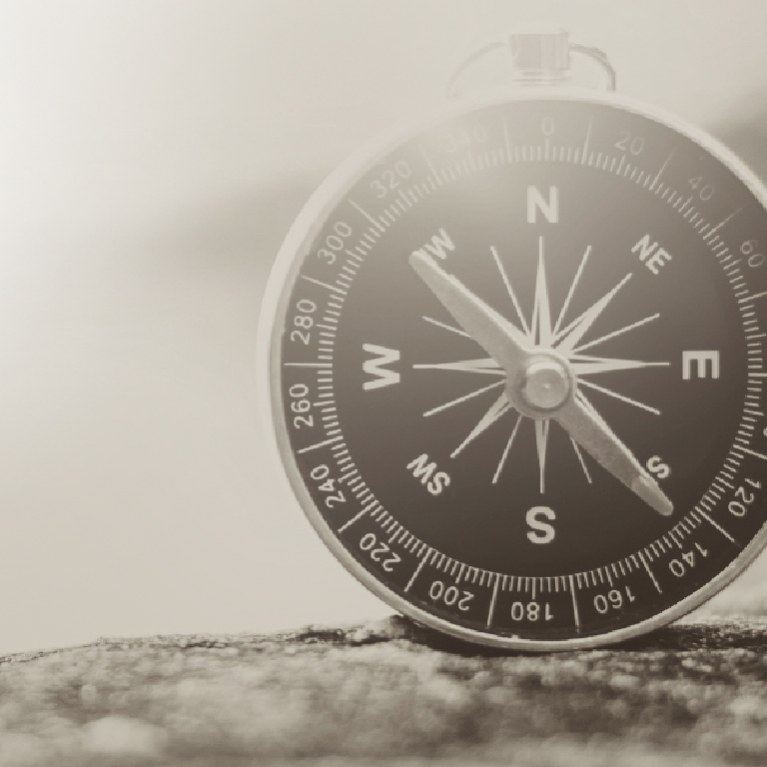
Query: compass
{"x": 515, "y": 363}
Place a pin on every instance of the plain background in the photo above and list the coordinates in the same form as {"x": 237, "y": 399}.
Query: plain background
{"x": 152, "y": 156}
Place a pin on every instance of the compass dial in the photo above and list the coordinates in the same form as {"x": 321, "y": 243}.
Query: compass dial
{"x": 517, "y": 370}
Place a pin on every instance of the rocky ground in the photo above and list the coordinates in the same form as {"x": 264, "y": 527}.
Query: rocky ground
{"x": 390, "y": 694}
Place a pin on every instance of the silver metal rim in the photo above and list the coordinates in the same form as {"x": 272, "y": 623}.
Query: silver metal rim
{"x": 273, "y": 309}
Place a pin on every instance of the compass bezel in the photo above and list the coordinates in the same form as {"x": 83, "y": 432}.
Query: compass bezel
{"x": 274, "y": 309}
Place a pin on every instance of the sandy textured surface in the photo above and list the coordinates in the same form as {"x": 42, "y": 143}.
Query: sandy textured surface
{"x": 389, "y": 693}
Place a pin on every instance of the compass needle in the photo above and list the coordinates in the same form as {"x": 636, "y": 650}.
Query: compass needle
{"x": 515, "y": 361}
{"x": 501, "y": 339}
{"x": 584, "y": 424}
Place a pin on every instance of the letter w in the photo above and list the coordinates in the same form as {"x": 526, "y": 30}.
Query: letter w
{"x": 440, "y": 245}
{"x": 376, "y": 367}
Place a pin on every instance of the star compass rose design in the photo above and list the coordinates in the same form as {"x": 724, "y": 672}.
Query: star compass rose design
{"x": 544, "y": 365}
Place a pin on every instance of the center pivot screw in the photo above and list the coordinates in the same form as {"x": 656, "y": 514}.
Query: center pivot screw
{"x": 546, "y": 384}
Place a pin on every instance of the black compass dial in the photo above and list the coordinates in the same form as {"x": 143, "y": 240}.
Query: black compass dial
{"x": 519, "y": 368}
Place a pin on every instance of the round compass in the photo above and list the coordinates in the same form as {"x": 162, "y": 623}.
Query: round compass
{"x": 516, "y": 367}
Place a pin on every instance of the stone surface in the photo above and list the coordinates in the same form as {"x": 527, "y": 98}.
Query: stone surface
{"x": 390, "y": 693}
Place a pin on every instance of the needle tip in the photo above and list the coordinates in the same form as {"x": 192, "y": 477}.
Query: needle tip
{"x": 419, "y": 262}
{"x": 647, "y": 489}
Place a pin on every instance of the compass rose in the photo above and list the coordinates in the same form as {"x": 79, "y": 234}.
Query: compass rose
{"x": 542, "y": 366}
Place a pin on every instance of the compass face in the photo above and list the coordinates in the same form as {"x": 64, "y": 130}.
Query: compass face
{"x": 517, "y": 369}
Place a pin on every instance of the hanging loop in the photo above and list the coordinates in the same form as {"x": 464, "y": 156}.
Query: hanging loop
{"x": 537, "y": 57}
{"x": 600, "y": 57}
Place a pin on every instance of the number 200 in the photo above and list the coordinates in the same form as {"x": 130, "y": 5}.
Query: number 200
{"x": 450, "y": 595}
